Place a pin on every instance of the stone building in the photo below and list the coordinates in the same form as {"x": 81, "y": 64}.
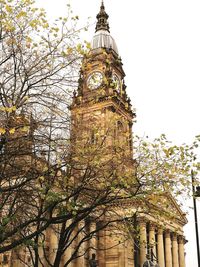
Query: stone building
{"x": 102, "y": 94}
{"x": 101, "y": 107}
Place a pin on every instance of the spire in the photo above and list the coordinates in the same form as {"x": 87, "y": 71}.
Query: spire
{"x": 102, "y": 19}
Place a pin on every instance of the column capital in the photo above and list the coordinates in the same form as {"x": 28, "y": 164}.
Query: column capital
{"x": 160, "y": 230}
{"x": 174, "y": 236}
{"x": 181, "y": 239}
{"x": 152, "y": 226}
{"x": 142, "y": 221}
{"x": 167, "y": 233}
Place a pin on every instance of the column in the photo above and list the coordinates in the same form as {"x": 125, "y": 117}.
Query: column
{"x": 41, "y": 250}
{"x": 130, "y": 252}
{"x": 175, "y": 260}
{"x": 66, "y": 255}
{"x": 181, "y": 251}
{"x": 81, "y": 261}
{"x": 18, "y": 257}
{"x": 121, "y": 254}
{"x": 168, "y": 249}
{"x": 101, "y": 248}
{"x": 74, "y": 246}
{"x": 161, "y": 258}
{"x": 93, "y": 240}
{"x": 52, "y": 244}
{"x": 143, "y": 241}
{"x": 152, "y": 240}
{"x": 15, "y": 258}
{"x": 68, "y": 252}
{"x": 6, "y": 260}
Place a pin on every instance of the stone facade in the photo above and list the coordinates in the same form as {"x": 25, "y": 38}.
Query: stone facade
{"x": 100, "y": 108}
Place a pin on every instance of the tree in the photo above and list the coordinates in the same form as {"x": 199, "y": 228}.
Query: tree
{"x": 51, "y": 181}
{"x": 100, "y": 184}
{"x": 38, "y": 65}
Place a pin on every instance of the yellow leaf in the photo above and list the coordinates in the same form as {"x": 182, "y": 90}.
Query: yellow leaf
{"x": 88, "y": 45}
{"x": 10, "y": 109}
{"x": 12, "y": 131}
{"x": 28, "y": 39}
{"x": 8, "y": 8}
{"x": 25, "y": 129}
{"x": 41, "y": 178}
{"x": 21, "y": 14}
{"x": 10, "y": 27}
{"x": 2, "y": 131}
{"x": 46, "y": 25}
{"x": 69, "y": 50}
{"x": 33, "y": 23}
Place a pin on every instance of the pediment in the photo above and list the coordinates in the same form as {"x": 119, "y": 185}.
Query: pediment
{"x": 167, "y": 204}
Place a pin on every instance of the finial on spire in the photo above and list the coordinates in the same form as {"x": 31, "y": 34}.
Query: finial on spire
{"x": 102, "y": 19}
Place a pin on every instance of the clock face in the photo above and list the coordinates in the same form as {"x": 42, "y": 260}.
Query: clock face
{"x": 94, "y": 80}
{"x": 116, "y": 82}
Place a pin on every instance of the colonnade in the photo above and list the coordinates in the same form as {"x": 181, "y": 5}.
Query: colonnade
{"x": 166, "y": 246}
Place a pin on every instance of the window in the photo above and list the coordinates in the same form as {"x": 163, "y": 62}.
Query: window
{"x": 120, "y": 127}
{"x": 5, "y": 259}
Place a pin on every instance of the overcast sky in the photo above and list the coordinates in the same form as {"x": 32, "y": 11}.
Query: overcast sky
{"x": 159, "y": 42}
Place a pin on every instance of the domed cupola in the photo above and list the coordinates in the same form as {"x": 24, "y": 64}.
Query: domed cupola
{"x": 102, "y": 37}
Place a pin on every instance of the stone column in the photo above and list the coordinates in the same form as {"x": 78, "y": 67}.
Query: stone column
{"x": 41, "y": 248}
{"x": 130, "y": 252}
{"x": 93, "y": 240}
{"x": 15, "y": 258}
{"x": 73, "y": 247}
{"x": 152, "y": 240}
{"x": 161, "y": 258}
{"x": 81, "y": 261}
{"x": 121, "y": 255}
{"x": 101, "y": 248}
{"x": 53, "y": 244}
{"x": 181, "y": 251}
{"x": 6, "y": 260}
{"x": 143, "y": 241}
{"x": 175, "y": 259}
{"x": 68, "y": 252}
{"x": 168, "y": 249}
{"x": 67, "y": 255}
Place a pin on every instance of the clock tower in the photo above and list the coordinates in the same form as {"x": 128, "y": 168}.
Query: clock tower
{"x": 101, "y": 108}
{"x": 101, "y": 134}
{"x": 102, "y": 118}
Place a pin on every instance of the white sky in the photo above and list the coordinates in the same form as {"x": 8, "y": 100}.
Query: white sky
{"x": 159, "y": 42}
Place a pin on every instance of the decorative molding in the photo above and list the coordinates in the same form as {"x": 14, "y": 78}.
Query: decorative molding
{"x": 174, "y": 237}
{"x": 160, "y": 231}
{"x": 167, "y": 233}
{"x": 152, "y": 226}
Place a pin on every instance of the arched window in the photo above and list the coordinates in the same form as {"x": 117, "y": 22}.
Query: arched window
{"x": 5, "y": 259}
{"x": 120, "y": 127}
{"x": 92, "y": 140}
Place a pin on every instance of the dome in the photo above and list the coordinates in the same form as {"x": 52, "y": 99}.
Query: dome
{"x": 103, "y": 39}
